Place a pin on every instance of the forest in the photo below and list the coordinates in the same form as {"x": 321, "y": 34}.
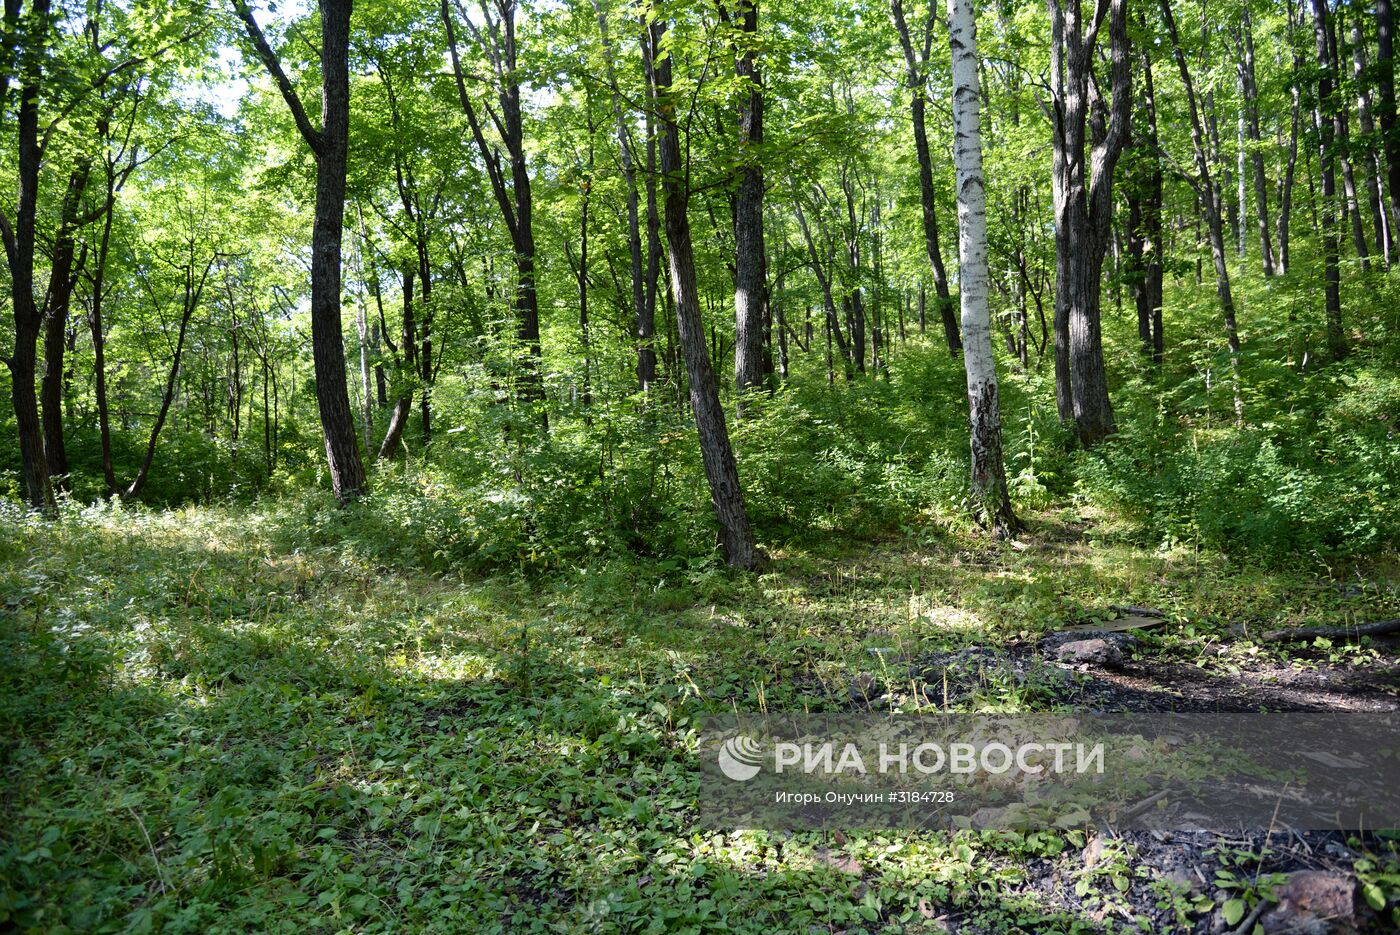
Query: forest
{"x": 422, "y": 415}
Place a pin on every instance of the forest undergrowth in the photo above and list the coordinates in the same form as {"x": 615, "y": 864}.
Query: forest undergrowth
{"x": 467, "y": 702}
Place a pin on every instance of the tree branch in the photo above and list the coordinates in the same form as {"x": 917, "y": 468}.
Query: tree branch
{"x": 274, "y": 68}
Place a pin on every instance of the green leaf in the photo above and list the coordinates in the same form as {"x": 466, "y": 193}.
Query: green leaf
{"x": 1233, "y": 911}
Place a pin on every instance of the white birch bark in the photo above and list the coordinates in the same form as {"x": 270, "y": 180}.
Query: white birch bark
{"x": 988, "y": 472}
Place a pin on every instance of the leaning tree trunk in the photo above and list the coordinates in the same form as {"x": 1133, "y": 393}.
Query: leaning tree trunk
{"x": 1371, "y": 162}
{"x": 750, "y": 264}
{"x": 988, "y": 472}
{"x": 515, "y": 199}
{"x": 194, "y": 290}
{"x": 833, "y": 323}
{"x": 1208, "y": 190}
{"x": 917, "y": 80}
{"x": 735, "y": 534}
{"x": 642, "y": 324}
{"x": 61, "y": 282}
{"x": 403, "y": 405}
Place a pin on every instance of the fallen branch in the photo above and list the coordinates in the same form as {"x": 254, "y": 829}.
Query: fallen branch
{"x": 1135, "y": 810}
{"x": 1378, "y": 628}
{"x": 1132, "y": 609}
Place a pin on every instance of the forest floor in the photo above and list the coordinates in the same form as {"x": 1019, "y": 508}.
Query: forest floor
{"x": 212, "y": 719}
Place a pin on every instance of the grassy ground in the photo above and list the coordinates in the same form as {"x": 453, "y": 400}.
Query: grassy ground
{"x": 210, "y": 722}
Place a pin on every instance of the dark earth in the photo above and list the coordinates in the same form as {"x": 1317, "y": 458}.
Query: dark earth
{"x": 1309, "y": 874}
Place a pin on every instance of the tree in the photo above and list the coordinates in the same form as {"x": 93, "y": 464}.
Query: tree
{"x": 726, "y": 496}
{"x": 1330, "y": 134}
{"x": 192, "y": 282}
{"x": 1244, "y": 43}
{"x": 1385, "y": 62}
{"x": 1208, "y": 193}
{"x": 750, "y": 252}
{"x": 988, "y": 473}
{"x": 1144, "y": 244}
{"x": 328, "y": 144}
{"x": 1372, "y": 163}
{"x": 916, "y": 79}
{"x": 1083, "y": 202}
{"x": 643, "y": 292}
{"x": 496, "y": 40}
{"x": 1284, "y": 221}
{"x": 823, "y": 264}
{"x": 19, "y": 237}
{"x": 62, "y": 280}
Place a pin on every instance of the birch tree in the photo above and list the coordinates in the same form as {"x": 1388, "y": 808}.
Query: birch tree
{"x": 988, "y": 472}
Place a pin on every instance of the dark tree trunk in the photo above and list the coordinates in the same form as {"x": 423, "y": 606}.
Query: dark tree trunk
{"x": 61, "y": 283}
{"x": 19, "y": 240}
{"x": 379, "y": 332}
{"x": 750, "y": 255}
{"x": 830, "y": 363}
{"x": 194, "y": 290}
{"x": 833, "y": 322}
{"x": 1328, "y": 124}
{"x": 726, "y": 496}
{"x": 1144, "y": 234}
{"x": 1251, "y": 99}
{"x": 1083, "y": 206}
{"x": 424, "y": 359}
{"x": 1371, "y": 155}
{"x": 408, "y": 340}
{"x": 584, "y": 336}
{"x": 643, "y": 327}
{"x": 328, "y": 344}
{"x": 917, "y": 63}
{"x": 1290, "y": 168}
{"x": 1341, "y": 131}
{"x": 1208, "y": 191}
{"x": 857, "y": 322}
{"x": 780, "y": 322}
{"x": 329, "y": 144}
{"x": 1216, "y": 154}
{"x": 1385, "y": 60}
{"x": 417, "y": 329}
{"x": 98, "y": 329}
{"x": 515, "y": 201}
{"x": 646, "y": 325}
